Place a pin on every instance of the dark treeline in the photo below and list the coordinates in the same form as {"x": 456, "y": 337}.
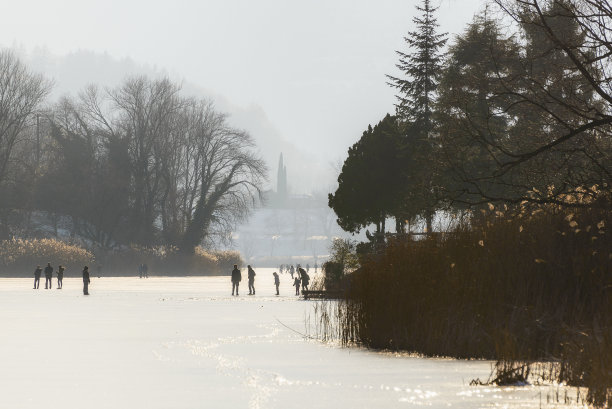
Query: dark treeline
{"x": 501, "y": 117}
{"x": 504, "y": 131}
{"x": 139, "y": 164}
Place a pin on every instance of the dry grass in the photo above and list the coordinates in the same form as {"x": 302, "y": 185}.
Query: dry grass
{"x": 19, "y": 257}
{"x": 520, "y": 286}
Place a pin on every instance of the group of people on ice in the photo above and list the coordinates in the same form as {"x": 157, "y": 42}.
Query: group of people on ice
{"x": 291, "y": 270}
{"x": 60, "y": 278}
{"x": 237, "y": 278}
{"x": 302, "y": 279}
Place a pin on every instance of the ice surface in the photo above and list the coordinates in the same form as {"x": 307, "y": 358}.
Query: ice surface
{"x": 186, "y": 343}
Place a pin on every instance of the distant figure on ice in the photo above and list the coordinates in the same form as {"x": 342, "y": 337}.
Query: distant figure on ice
{"x": 48, "y": 276}
{"x": 140, "y": 270}
{"x": 307, "y": 267}
{"x": 236, "y": 278}
{"x": 276, "y": 281}
{"x": 37, "y": 273}
{"x": 86, "y": 280}
{"x": 60, "y": 276}
{"x": 316, "y": 266}
{"x": 296, "y": 284}
{"x": 252, "y": 275}
{"x": 292, "y": 270}
{"x": 305, "y": 279}
{"x": 145, "y": 270}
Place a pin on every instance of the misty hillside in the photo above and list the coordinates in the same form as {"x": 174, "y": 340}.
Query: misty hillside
{"x": 76, "y": 70}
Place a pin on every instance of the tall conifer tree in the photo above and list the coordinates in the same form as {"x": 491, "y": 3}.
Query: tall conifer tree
{"x": 421, "y": 67}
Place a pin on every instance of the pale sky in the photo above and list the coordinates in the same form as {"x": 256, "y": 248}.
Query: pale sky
{"x": 316, "y": 68}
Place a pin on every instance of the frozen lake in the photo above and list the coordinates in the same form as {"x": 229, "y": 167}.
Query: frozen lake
{"x": 178, "y": 343}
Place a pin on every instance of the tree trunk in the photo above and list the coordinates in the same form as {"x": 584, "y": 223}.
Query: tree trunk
{"x": 429, "y": 222}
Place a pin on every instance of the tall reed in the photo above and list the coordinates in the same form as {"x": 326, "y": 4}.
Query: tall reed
{"x": 528, "y": 285}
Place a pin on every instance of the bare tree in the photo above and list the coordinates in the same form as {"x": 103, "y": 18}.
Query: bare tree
{"x": 146, "y": 110}
{"x": 229, "y": 175}
{"x": 21, "y": 93}
{"x": 180, "y": 173}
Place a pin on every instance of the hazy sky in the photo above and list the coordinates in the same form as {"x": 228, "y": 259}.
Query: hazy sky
{"x": 315, "y": 67}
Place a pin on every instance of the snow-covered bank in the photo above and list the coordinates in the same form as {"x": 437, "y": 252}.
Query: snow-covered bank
{"x": 186, "y": 343}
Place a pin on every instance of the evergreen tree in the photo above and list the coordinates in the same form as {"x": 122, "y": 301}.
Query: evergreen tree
{"x": 370, "y": 179}
{"x": 416, "y": 97}
{"x": 500, "y": 98}
{"x": 421, "y": 68}
{"x": 471, "y": 111}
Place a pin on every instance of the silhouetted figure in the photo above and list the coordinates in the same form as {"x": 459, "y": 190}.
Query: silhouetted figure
{"x": 316, "y": 266}
{"x": 145, "y": 270}
{"x": 236, "y": 278}
{"x": 48, "y": 276}
{"x": 60, "y": 276}
{"x": 86, "y": 280}
{"x": 307, "y": 267}
{"x": 296, "y": 284}
{"x": 276, "y": 281}
{"x": 37, "y": 274}
{"x": 292, "y": 270}
{"x": 281, "y": 268}
{"x": 140, "y": 270}
{"x": 305, "y": 279}
{"x": 252, "y": 275}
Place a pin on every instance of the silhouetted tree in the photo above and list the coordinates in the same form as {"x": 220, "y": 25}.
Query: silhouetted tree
{"x": 560, "y": 142}
{"x": 421, "y": 68}
{"x": 472, "y": 109}
{"x": 371, "y": 177}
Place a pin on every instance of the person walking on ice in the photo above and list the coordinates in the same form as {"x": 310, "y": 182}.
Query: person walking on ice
{"x": 37, "y": 273}
{"x": 60, "y": 276}
{"x": 252, "y": 275}
{"x": 305, "y": 279}
{"x": 86, "y": 280}
{"x": 296, "y": 284}
{"x": 48, "y": 276}
{"x": 236, "y": 278}
{"x": 276, "y": 281}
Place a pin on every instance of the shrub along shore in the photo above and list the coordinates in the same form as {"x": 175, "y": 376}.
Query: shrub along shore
{"x": 19, "y": 258}
{"x": 522, "y": 287}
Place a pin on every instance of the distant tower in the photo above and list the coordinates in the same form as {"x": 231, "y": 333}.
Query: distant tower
{"x": 281, "y": 181}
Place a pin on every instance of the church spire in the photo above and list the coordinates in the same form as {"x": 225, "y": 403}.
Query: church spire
{"x": 281, "y": 180}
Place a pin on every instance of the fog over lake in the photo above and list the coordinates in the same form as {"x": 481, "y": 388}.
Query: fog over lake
{"x": 304, "y": 78}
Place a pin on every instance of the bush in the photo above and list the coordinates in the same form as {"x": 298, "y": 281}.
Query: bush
{"x": 342, "y": 261}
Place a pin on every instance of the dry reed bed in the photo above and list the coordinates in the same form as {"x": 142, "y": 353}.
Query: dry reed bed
{"x": 19, "y": 257}
{"x": 527, "y": 286}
